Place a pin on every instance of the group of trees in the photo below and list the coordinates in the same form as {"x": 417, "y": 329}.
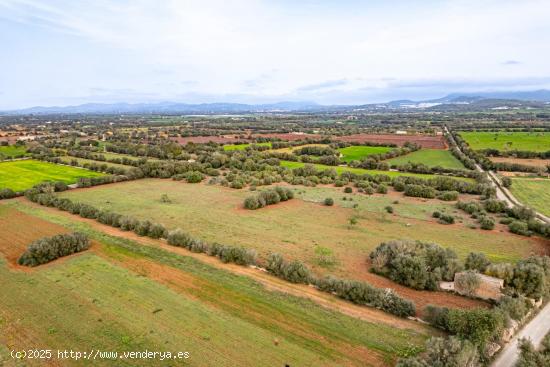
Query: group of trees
{"x": 416, "y": 264}
{"x": 531, "y": 357}
{"x": 48, "y": 249}
{"x": 268, "y": 197}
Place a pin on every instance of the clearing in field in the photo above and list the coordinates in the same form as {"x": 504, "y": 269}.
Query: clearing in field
{"x": 125, "y": 296}
{"x": 430, "y": 158}
{"x": 362, "y": 171}
{"x": 24, "y": 174}
{"x": 302, "y": 228}
{"x": 229, "y": 147}
{"x": 359, "y": 152}
{"x": 533, "y": 192}
{"x": 12, "y": 151}
{"x": 502, "y": 140}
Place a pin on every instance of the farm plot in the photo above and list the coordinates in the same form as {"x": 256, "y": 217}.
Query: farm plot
{"x": 540, "y": 163}
{"x": 205, "y": 139}
{"x": 357, "y": 153}
{"x": 425, "y": 141}
{"x": 299, "y": 229}
{"x": 430, "y": 158}
{"x": 533, "y": 192}
{"x": 22, "y": 175}
{"x": 502, "y": 140}
{"x": 125, "y": 296}
{"x": 230, "y": 147}
{"x": 12, "y": 151}
{"x": 362, "y": 171}
{"x": 68, "y": 159}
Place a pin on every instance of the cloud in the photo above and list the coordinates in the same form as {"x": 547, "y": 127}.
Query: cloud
{"x": 511, "y": 62}
{"x": 322, "y": 85}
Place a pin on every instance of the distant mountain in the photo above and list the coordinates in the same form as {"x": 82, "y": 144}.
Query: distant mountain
{"x": 453, "y": 101}
{"x": 168, "y": 107}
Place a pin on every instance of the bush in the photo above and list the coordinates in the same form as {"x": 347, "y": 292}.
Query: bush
{"x": 467, "y": 283}
{"x": 329, "y": 201}
{"x": 448, "y": 195}
{"x": 519, "y": 227}
{"x": 382, "y": 189}
{"x": 142, "y": 228}
{"x": 194, "y": 177}
{"x": 436, "y": 214}
{"x": 268, "y": 197}
{"x": 157, "y": 231}
{"x": 389, "y": 209}
{"x": 446, "y": 219}
{"x": 50, "y": 248}
{"x": 486, "y": 223}
{"x": 477, "y": 261}
{"x": 7, "y": 194}
{"x": 445, "y": 352}
{"x": 295, "y": 271}
{"x": 348, "y": 190}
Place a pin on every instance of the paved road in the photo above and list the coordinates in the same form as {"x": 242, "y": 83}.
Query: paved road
{"x": 535, "y": 330}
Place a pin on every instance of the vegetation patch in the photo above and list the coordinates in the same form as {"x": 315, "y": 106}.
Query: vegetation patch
{"x": 359, "y": 152}
{"x": 430, "y": 158}
{"x": 534, "y": 193}
{"x": 537, "y": 141}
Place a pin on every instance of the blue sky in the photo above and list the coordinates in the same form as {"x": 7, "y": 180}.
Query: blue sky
{"x": 252, "y": 51}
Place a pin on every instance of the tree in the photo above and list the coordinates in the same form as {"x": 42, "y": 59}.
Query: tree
{"x": 329, "y": 201}
{"x": 445, "y": 352}
{"x": 467, "y": 283}
{"x": 477, "y": 261}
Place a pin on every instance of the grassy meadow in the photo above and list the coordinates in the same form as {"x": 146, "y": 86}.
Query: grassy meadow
{"x": 502, "y": 140}
{"x": 357, "y": 153}
{"x": 126, "y": 297}
{"x": 12, "y": 151}
{"x": 296, "y": 228}
{"x": 533, "y": 192}
{"x": 22, "y": 175}
{"x": 430, "y": 158}
{"x": 229, "y": 147}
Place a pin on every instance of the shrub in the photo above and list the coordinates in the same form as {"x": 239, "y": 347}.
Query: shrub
{"x": 194, "y": 177}
{"x": 436, "y": 214}
{"x": 446, "y": 219}
{"x": 519, "y": 227}
{"x": 7, "y": 194}
{"x": 295, "y": 271}
{"x": 382, "y": 189}
{"x": 157, "y": 231}
{"x": 142, "y": 228}
{"x": 178, "y": 237}
{"x": 389, "y": 209}
{"x": 268, "y": 197}
{"x": 467, "y": 283}
{"x": 486, "y": 223}
{"x": 348, "y": 190}
{"x": 88, "y": 211}
{"x": 448, "y": 195}
{"x": 50, "y": 248}
{"x": 329, "y": 201}
{"x": 128, "y": 223}
{"x": 477, "y": 261}
{"x": 445, "y": 352}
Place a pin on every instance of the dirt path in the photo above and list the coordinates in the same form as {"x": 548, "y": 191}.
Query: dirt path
{"x": 270, "y": 282}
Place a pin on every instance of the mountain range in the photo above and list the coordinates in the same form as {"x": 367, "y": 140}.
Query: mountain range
{"x": 482, "y": 99}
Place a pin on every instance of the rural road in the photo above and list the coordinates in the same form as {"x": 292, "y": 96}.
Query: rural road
{"x": 502, "y": 193}
{"x": 535, "y": 330}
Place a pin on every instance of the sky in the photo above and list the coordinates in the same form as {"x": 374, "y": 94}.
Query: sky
{"x": 66, "y": 52}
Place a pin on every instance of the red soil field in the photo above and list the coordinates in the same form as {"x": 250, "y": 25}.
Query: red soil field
{"x": 288, "y": 136}
{"x": 206, "y": 139}
{"x": 425, "y": 141}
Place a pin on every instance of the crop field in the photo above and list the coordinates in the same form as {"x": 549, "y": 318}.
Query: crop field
{"x": 298, "y": 227}
{"x": 533, "y": 192}
{"x": 362, "y": 171}
{"x": 430, "y": 158}
{"x": 22, "y": 175}
{"x": 12, "y": 151}
{"x": 502, "y": 140}
{"x": 128, "y": 297}
{"x": 542, "y": 163}
{"x": 357, "y": 153}
{"x": 425, "y": 141}
{"x": 243, "y": 146}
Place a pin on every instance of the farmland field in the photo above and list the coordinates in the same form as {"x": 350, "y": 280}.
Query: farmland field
{"x": 129, "y": 297}
{"x": 362, "y": 171}
{"x": 534, "y": 193}
{"x": 357, "y": 153}
{"x": 68, "y": 159}
{"x": 296, "y": 228}
{"x": 229, "y": 147}
{"x": 425, "y": 141}
{"x": 534, "y": 141}
{"x": 22, "y": 175}
{"x": 12, "y": 151}
{"x": 430, "y": 158}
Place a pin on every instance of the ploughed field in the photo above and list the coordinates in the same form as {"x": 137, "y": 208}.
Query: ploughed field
{"x": 303, "y": 227}
{"x": 123, "y": 296}
{"x": 502, "y": 140}
{"x": 425, "y": 141}
{"x": 430, "y": 158}
{"x": 533, "y": 192}
{"x": 24, "y": 174}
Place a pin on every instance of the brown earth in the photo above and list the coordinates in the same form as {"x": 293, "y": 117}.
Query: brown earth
{"x": 527, "y": 162}
{"x": 206, "y": 139}
{"x": 425, "y": 141}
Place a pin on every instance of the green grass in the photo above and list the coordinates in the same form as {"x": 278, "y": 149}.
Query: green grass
{"x": 430, "y": 158}
{"x": 243, "y": 146}
{"x": 68, "y": 159}
{"x": 362, "y": 171}
{"x": 295, "y": 228}
{"x": 357, "y": 153}
{"x": 534, "y": 141}
{"x": 12, "y": 151}
{"x": 22, "y": 175}
{"x": 534, "y": 193}
{"x": 222, "y": 319}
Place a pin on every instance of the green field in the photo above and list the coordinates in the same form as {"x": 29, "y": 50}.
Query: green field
{"x": 430, "y": 158}
{"x": 357, "y": 153}
{"x": 229, "y": 147}
{"x": 295, "y": 228}
{"x": 11, "y": 151}
{"x": 534, "y": 193}
{"x": 82, "y": 161}
{"x": 128, "y": 297}
{"x": 24, "y": 174}
{"x": 362, "y": 171}
{"x": 534, "y": 141}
